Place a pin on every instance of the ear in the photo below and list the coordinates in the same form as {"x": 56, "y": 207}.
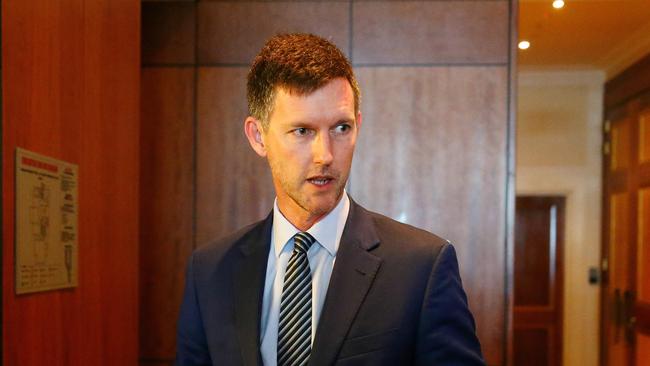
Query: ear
{"x": 254, "y": 133}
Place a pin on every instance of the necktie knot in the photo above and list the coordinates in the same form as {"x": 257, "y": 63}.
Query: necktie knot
{"x": 302, "y": 242}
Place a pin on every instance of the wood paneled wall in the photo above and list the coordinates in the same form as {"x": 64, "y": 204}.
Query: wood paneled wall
{"x": 435, "y": 148}
{"x": 70, "y": 90}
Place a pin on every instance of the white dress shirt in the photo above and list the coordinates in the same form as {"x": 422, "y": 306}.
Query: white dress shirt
{"x": 321, "y": 255}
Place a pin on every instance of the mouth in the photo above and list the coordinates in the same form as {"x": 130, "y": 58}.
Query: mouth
{"x": 320, "y": 181}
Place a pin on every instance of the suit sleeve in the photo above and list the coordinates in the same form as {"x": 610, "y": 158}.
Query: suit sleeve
{"x": 446, "y": 334}
{"x": 191, "y": 344}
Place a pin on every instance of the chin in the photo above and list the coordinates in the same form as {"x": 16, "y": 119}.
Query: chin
{"x": 323, "y": 205}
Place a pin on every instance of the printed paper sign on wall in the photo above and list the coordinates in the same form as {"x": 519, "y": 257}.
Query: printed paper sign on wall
{"x": 46, "y": 223}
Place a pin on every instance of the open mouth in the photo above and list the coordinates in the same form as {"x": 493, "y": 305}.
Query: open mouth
{"x": 320, "y": 181}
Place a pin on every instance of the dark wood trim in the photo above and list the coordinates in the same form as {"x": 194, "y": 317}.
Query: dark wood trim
{"x": 618, "y": 181}
{"x": 2, "y": 243}
{"x": 533, "y": 317}
{"x": 604, "y": 204}
{"x": 195, "y": 126}
{"x": 644, "y": 100}
{"x": 628, "y": 84}
{"x": 157, "y": 361}
{"x": 644, "y": 175}
{"x": 508, "y": 357}
{"x": 354, "y": 65}
{"x": 642, "y": 311}
{"x": 615, "y": 113}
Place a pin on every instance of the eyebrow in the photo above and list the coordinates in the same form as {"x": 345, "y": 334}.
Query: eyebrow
{"x": 301, "y": 123}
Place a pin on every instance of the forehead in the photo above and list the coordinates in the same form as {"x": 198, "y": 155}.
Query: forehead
{"x": 334, "y": 100}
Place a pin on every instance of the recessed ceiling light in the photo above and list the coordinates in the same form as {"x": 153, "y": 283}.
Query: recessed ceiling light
{"x": 523, "y": 45}
{"x": 558, "y": 4}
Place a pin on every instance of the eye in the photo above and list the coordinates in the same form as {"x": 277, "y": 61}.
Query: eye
{"x": 301, "y": 131}
{"x": 342, "y": 129}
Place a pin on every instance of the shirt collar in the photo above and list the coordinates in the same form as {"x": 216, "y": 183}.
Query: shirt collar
{"x": 327, "y": 231}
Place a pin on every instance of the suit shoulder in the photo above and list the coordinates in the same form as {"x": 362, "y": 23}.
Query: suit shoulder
{"x": 220, "y": 247}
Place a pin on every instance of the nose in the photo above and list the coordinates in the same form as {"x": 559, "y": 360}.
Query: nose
{"x": 322, "y": 149}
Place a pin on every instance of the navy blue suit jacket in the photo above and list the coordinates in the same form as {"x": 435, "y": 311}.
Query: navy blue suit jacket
{"x": 395, "y": 298}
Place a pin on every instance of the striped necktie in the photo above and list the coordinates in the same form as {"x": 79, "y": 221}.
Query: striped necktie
{"x": 294, "y": 329}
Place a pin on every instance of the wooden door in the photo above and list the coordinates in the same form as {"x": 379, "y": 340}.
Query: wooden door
{"x": 640, "y": 319}
{"x": 626, "y": 247}
{"x": 619, "y": 226}
{"x": 539, "y": 245}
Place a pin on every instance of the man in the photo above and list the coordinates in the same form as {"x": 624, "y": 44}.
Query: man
{"x": 320, "y": 280}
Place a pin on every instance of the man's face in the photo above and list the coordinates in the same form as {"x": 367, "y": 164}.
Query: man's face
{"x": 309, "y": 143}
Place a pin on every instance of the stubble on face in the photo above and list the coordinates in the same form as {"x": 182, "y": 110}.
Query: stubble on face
{"x": 314, "y": 206}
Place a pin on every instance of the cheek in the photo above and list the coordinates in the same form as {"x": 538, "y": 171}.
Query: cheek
{"x": 295, "y": 154}
{"x": 345, "y": 152}
{"x": 290, "y": 162}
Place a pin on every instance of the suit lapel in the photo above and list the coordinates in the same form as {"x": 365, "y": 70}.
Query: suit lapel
{"x": 249, "y": 288}
{"x": 354, "y": 271}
